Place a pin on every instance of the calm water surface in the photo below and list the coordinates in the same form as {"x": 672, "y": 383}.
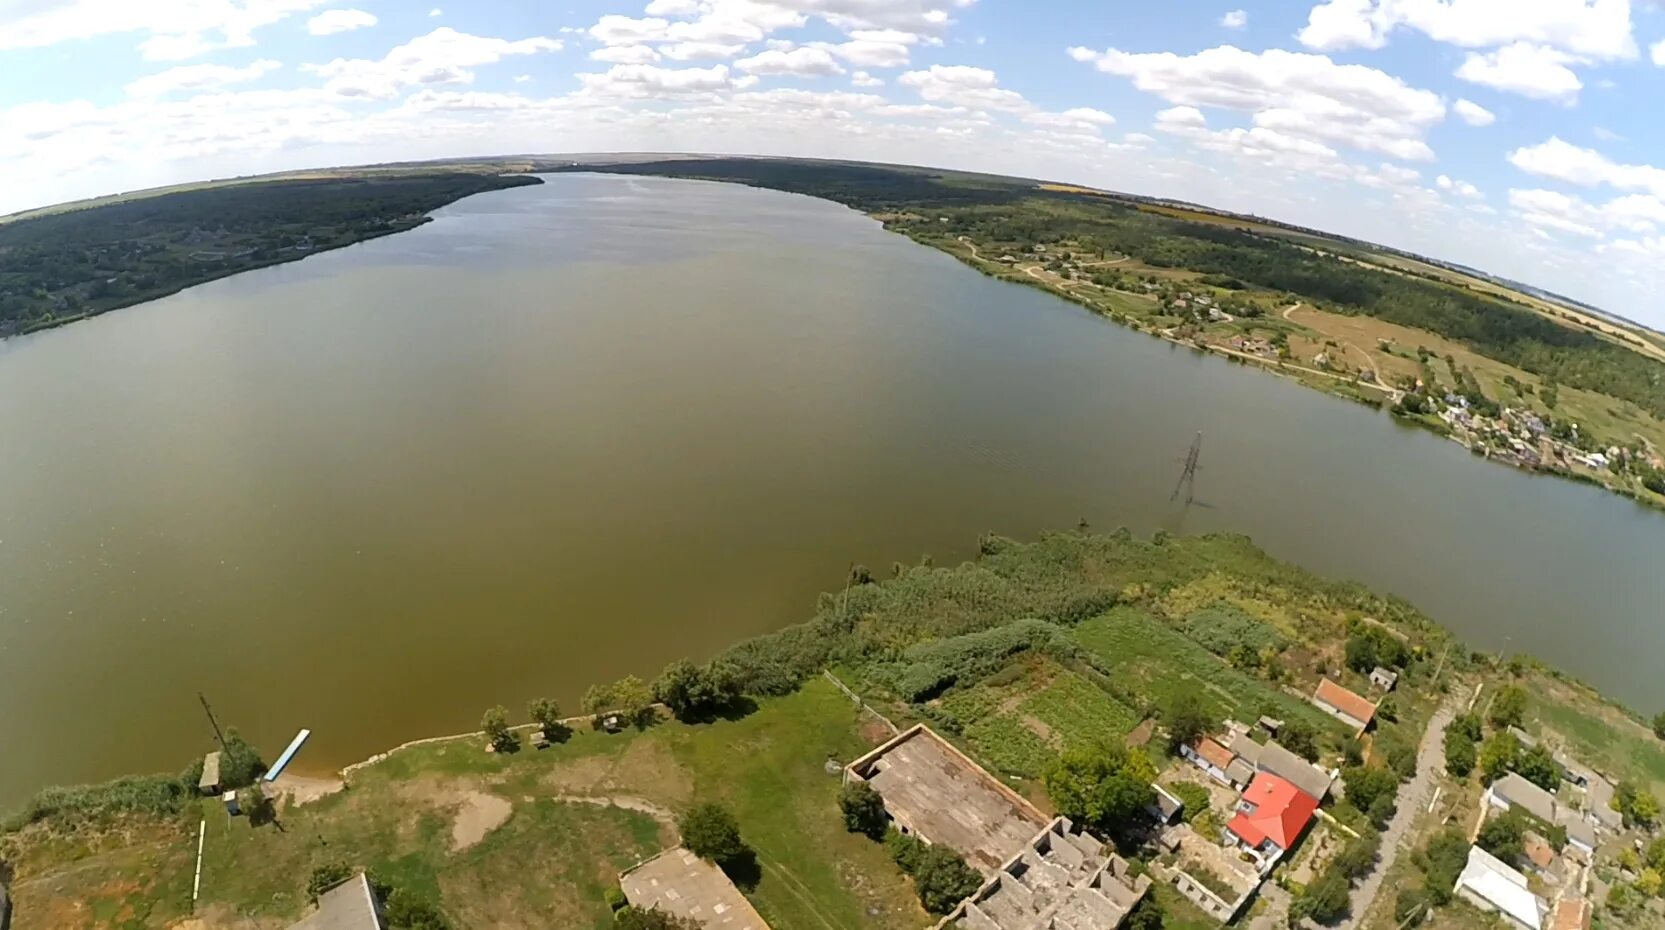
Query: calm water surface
{"x": 567, "y": 432}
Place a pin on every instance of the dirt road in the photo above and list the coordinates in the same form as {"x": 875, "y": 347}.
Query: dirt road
{"x": 1413, "y": 803}
{"x": 1368, "y": 358}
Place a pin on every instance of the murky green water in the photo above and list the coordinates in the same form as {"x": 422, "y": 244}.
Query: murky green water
{"x": 572, "y": 431}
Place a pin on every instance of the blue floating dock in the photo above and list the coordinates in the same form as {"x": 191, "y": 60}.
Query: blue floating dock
{"x": 288, "y": 755}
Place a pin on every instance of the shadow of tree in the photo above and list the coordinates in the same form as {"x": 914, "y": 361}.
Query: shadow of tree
{"x": 743, "y": 870}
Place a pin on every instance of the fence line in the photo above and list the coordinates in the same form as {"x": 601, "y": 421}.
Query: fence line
{"x": 856, "y": 699}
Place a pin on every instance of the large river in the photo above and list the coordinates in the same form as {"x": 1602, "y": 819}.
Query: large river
{"x": 567, "y": 432}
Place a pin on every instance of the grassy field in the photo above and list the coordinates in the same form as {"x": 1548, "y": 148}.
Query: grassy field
{"x": 1145, "y": 653}
{"x": 515, "y": 819}
{"x": 1597, "y": 733}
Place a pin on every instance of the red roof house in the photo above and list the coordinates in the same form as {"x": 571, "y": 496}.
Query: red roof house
{"x": 1273, "y": 813}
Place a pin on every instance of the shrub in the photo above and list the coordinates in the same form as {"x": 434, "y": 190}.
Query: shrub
{"x": 1508, "y": 707}
{"x": 1368, "y": 786}
{"x": 697, "y": 692}
{"x": 1194, "y": 796}
{"x": 864, "y": 810}
{"x": 240, "y": 763}
{"x": 943, "y": 879}
{"x": 1324, "y": 901}
{"x": 933, "y": 667}
{"x": 632, "y": 918}
{"x": 1441, "y": 861}
{"x": 1460, "y": 753}
{"x": 326, "y": 876}
{"x": 615, "y": 898}
{"x": 160, "y": 795}
{"x": 495, "y": 725}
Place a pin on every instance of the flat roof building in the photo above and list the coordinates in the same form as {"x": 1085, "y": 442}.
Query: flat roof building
{"x": 935, "y": 792}
{"x": 680, "y": 883}
{"x": 350, "y": 905}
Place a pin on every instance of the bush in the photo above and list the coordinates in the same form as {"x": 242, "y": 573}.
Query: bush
{"x": 615, "y": 898}
{"x": 632, "y": 918}
{"x": 1508, "y": 707}
{"x": 1460, "y": 753}
{"x": 1194, "y": 796}
{"x": 709, "y": 831}
{"x": 903, "y": 850}
{"x": 1358, "y": 856}
{"x": 1300, "y": 738}
{"x": 1441, "y": 861}
{"x": 933, "y": 667}
{"x": 1411, "y": 906}
{"x": 864, "y": 810}
{"x": 240, "y": 763}
{"x": 409, "y": 911}
{"x": 942, "y": 879}
{"x": 326, "y": 876}
{"x": 1223, "y": 627}
{"x": 1368, "y": 786}
{"x": 1325, "y": 901}
{"x": 159, "y": 795}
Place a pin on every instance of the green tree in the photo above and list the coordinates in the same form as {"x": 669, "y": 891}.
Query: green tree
{"x": 1508, "y": 707}
{"x": 1659, "y": 724}
{"x": 864, "y": 810}
{"x": 325, "y": 876}
{"x": 1639, "y": 808}
{"x": 1502, "y": 837}
{"x": 1656, "y": 854}
{"x": 547, "y": 715}
{"x": 240, "y": 763}
{"x": 1185, "y": 720}
{"x": 495, "y": 726}
{"x": 1324, "y": 901}
{"x": 943, "y": 879}
{"x": 1300, "y": 738}
{"x": 598, "y": 698}
{"x": 1460, "y": 753}
{"x": 693, "y": 692}
{"x": 1466, "y": 724}
{"x": 1359, "y": 855}
{"x": 1441, "y": 861}
{"x": 1195, "y": 798}
{"x": 1146, "y": 915}
{"x": 1106, "y": 785}
{"x": 1498, "y": 754}
{"x": 709, "y": 831}
{"x": 1367, "y": 785}
{"x": 1537, "y": 764}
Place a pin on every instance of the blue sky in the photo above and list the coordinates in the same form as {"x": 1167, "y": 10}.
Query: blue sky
{"x": 1520, "y": 136}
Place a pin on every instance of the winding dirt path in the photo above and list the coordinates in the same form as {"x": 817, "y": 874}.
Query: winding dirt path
{"x": 1368, "y": 358}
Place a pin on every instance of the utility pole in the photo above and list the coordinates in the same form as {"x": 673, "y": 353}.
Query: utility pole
{"x": 1188, "y": 477}
{"x": 211, "y": 721}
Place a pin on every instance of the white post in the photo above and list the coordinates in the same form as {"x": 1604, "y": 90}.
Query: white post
{"x": 196, "y": 884}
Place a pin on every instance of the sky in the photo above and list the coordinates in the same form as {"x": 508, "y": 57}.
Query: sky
{"x": 1523, "y": 137}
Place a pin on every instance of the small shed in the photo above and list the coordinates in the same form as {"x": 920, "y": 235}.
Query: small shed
{"x": 1384, "y": 678}
{"x": 209, "y": 783}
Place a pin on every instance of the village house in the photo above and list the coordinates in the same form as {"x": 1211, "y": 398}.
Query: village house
{"x": 1571, "y": 914}
{"x": 350, "y": 905}
{"x": 1491, "y": 885}
{"x": 1211, "y": 757}
{"x": 1276, "y": 760}
{"x": 1344, "y": 705}
{"x": 1512, "y": 791}
{"x": 1270, "y": 818}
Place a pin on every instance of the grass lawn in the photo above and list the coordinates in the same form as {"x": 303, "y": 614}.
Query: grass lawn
{"x": 1165, "y": 663}
{"x": 530, "y": 855}
{"x": 1599, "y": 734}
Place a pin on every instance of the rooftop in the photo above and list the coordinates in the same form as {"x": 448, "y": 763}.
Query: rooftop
{"x": 1212, "y": 752}
{"x": 933, "y": 790}
{"x": 1345, "y": 701}
{"x": 1273, "y": 758}
{"x": 210, "y": 771}
{"x": 1064, "y": 879}
{"x": 1276, "y": 810}
{"x": 1489, "y": 879}
{"x": 1571, "y": 914}
{"x": 1519, "y": 792}
{"x": 348, "y": 906}
{"x": 678, "y": 882}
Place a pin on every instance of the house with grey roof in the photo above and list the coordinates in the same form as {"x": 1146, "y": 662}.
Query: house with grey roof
{"x": 1276, "y": 760}
{"x": 1512, "y": 791}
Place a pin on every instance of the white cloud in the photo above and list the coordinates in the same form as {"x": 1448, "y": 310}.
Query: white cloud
{"x": 1180, "y": 116}
{"x": 522, "y": 78}
{"x": 331, "y": 22}
{"x": 699, "y": 51}
{"x": 436, "y": 11}
{"x": 673, "y": 8}
{"x": 625, "y": 54}
{"x": 1552, "y": 210}
{"x": 652, "y": 81}
{"x": 863, "y": 79}
{"x": 1534, "y": 71}
{"x": 1659, "y": 53}
{"x": 174, "y": 29}
{"x": 444, "y": 56}
{"x": 800, "y": 62}
{"x": 963, "y": 85}
{"x": 1595, "y": 29}
{"x": 1138, "y": 138}
{"x": 1473, "y": 113}
{"x": 1292, "y": 93}
{"x": 1236, "y": 19}
{"x": 199, "y": 78}
{"x": 1460, "y": 188}
{"x": 614, "y": 29}
{"x": 1564, "y": 161}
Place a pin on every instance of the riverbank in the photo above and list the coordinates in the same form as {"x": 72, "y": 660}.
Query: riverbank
{"x": 1120, "y": 632}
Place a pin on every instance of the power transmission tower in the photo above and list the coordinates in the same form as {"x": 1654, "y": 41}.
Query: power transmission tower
{"x": 1188, "y": 477}
{"x": 211, "y": 721}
